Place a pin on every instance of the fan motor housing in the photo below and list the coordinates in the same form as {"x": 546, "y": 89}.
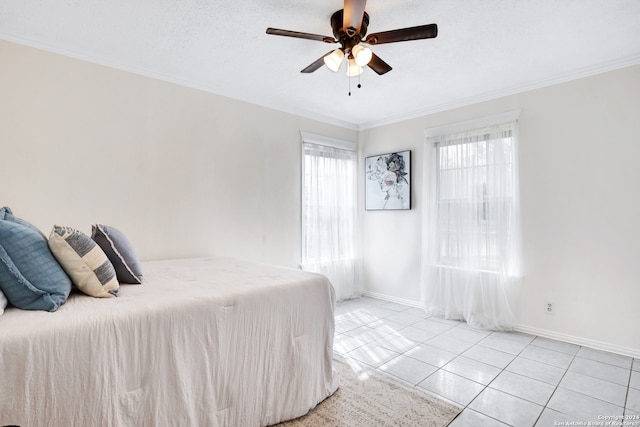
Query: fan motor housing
{"x": 340, "y": 33}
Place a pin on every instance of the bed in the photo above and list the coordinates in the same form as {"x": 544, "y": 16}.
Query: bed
{"x": 202, "y": 342}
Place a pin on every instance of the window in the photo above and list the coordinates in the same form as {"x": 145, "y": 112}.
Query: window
{"x": 472, "y": 227}
{"x": 475, "y": 193}
{"x": 329, "y": 197}
{"x": 329, "y": 213}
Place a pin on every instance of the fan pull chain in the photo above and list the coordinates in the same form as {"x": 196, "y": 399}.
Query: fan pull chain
{"x": 359, "y": 85}
{"x": 349, "y": 85}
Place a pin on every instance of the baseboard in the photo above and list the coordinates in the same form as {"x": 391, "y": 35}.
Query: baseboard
{"x": 585, "y": 342}
{"x": 384, "y": 297}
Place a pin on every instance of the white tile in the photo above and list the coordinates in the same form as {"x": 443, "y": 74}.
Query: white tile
{"x": 408, "y": 369}
{"x": 346, "y": 325}
{"x": 603, "y": 371}
{"x": 633, "y": 400}
{"x": 396, "y": 342}
{"x": 449, "y": 344}
{"x": 471, "y": 418}
{"x": 406, "y": 318}
{"x": 594, "y": 387}
{"x": 489, "y": 356}
{"x": 520, "y": 337}
{"x": 379, "y": 312}
{"x": 635, "y": 380}
{"x": 550, "y": 418}
{"x": 342, "y": 309}
{"x": 550, "y": 357}
{"x": 472, "y": 370}
{"x": 449, "y": 322}
{"x": 386, "y": 325}
{"x": 504, "y": 344}
{"x": 345, "y": 343}
{"x": 350, "y": 305}
{"x": 360, "y": 317}
{"x": 417, "y": 312}
{"x": 371, "y": 301}
{"x": 466, "y": 334}
{"x": 506, "y": 408}
{"x": 580, "y": 406}
{"x": 561, "y": 346}
{"x": 431, "y": 325}
{"x": 536, "y": 370}
{"x": 394, "y": 306}
{"x": 636, "y": 365}
{"x": 372, "y": 355}
{"x": 366, "y": 334}
{"x": 431, "y": 355}
{"x": 606, "y": 357}
{"x": 631, "y": 418}
{"x": 416, "y": 334}
{"x": 452, "y": 387}
{"x": 526, "y": 388}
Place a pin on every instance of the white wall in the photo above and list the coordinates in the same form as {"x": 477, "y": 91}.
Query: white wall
{"x": 580, "y": 177}
{"x": 187, "y": 173}
{"x": 181, "y": 172}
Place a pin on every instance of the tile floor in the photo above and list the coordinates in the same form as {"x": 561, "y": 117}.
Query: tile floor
{"x": 501, "y": 379}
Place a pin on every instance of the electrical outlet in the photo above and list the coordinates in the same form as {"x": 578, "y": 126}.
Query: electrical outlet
{"x": 549, "y": 307}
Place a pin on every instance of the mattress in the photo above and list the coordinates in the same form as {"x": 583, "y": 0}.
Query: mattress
{"x": 203, "y": 342}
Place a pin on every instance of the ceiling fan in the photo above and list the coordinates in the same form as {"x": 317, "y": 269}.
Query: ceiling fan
{"x": 349, "y": 29}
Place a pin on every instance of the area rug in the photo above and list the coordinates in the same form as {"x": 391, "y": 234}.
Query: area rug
{"x": 367, "y": 398}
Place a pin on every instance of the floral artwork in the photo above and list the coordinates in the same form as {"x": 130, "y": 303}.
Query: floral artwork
{"x": 388, "y": 181}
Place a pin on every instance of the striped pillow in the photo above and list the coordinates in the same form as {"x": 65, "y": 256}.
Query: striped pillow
{"x": 84, "y": 261}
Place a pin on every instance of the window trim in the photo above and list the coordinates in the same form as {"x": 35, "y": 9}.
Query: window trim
{"x": 313, "y": 138}
{"x": 477, "y": 123}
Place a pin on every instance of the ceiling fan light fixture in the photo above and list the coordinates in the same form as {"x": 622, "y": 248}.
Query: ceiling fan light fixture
{"x": 353, "y": 69}
{"x": 334, "y": 59}
{"x": 362, "y": 55}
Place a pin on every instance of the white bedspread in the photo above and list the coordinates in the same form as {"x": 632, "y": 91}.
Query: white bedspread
{"x": 203, "y": 342}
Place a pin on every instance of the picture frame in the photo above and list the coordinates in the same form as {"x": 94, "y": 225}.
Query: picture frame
{"x": 388, "y": 181}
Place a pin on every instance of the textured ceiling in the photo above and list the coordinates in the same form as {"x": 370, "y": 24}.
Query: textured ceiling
{"x": 484, "y": 49}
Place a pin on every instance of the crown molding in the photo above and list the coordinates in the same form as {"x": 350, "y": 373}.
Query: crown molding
{"x": 464, "y": 102}
{"x": 488, "y": 96}
{"x": 170, "y": 79}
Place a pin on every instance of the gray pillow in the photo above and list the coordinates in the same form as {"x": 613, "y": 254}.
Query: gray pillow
{"x": 119, "y": 251}
{"x": 3, "y": 303}
{"x": 30, "y": 277}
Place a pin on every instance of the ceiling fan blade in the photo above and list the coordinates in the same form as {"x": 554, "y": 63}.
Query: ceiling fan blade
{"x": 315, "y": 64}
{"x": 299, "y": 35}
{"x": 404, "y": 34}
{"x": 378, "y": 65}
{"x": 353, "y": 13}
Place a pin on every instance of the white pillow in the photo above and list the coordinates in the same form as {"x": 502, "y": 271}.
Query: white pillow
{"x": 3, "y": 303}
{"x": 84, "y": 261}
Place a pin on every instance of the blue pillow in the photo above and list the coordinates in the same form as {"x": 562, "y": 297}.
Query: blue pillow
{"x": 30, "y": 277}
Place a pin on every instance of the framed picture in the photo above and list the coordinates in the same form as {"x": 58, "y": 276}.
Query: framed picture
{"x": 388, "y": 181}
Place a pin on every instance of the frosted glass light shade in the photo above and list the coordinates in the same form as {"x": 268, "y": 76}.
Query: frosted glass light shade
{"x": 362, "y": 55}
{"x": 334, "y": 59}
{"x": 353, "y": 69}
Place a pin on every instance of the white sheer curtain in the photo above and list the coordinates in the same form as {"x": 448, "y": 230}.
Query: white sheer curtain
{"x": 472, "y": 266}
{"x": 329, "y": 217}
